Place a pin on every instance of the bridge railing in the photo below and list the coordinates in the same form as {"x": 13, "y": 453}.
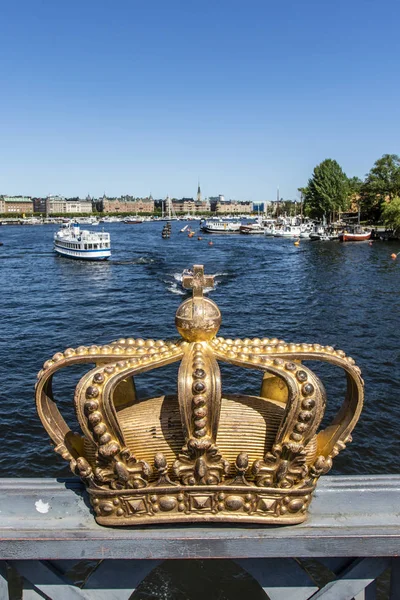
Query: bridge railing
{"x": 353, "y": 534}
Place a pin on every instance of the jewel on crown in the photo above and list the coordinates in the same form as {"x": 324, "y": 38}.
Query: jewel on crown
{"x": 200, "y": 454}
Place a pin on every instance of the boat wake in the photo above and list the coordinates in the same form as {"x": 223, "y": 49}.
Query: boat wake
{"x": 173, "y": 283}
{"x": 143, "y": 260}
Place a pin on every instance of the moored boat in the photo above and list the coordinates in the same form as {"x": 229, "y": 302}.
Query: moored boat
{"x": 255, "y": 228}
{"x": 133, "y": 220}
{"x": 72, "y": 242}
{"x": 356, "y": 234}
{"x": 288, "y": 231}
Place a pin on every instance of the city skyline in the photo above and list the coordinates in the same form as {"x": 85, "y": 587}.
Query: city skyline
{"x": 149, "y": 98}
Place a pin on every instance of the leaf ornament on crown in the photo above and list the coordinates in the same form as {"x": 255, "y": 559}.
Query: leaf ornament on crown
{"x": 200, "y": 454}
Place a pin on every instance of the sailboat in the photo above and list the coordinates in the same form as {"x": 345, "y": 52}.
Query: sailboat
{"x": 168, "y": 213}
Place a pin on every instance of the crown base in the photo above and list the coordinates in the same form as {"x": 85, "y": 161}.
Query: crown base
{"x": 176, "y": 504}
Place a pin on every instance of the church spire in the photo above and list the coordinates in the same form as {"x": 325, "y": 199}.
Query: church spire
{"x": 198, "y": 192}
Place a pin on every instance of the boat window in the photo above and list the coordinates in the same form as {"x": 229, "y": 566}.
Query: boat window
{"x": 85, "y": 246}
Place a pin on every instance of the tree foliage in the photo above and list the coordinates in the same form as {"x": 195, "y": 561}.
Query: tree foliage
{"x": 354, "y": 185}
{"x": 327, "y": 190}
{"x": 391, "y": 214}
{"x": 381, "y": 183}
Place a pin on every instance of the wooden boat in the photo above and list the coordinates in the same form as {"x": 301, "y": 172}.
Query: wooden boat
{"x": 357, "y": 234}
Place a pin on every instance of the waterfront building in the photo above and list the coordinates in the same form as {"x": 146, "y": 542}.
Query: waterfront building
{"x": 230, "y": 207}
{"x": 59, "y": 205}
{"x": 126, "y": 204}
{"x": 16, "y": 205}
{"x": 78, "y": 206}
{"x": 189, "y": 205}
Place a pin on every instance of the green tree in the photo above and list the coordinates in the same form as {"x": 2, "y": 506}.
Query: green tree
{"x": 327, "y": 191}
{"x": 391, "y": 215}
{"x": 382, "y": 182}
{"x": 354, "y": 185}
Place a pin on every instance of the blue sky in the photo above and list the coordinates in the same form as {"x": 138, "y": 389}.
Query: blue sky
{"x": 130, "y": 97}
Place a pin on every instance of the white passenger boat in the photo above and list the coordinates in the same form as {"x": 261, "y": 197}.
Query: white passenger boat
{"x": 72, "y": 242}
{"x": 220, "y": 226}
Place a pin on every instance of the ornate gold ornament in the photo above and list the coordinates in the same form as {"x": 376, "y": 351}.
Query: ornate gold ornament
{"x": 200, "y": 455}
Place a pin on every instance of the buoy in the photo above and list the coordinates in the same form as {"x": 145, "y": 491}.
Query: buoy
{"x": 211, "y": 243}
{"x": 393, "y": 255}
{"x": 297, "y": 243}
{"x": 199, "y": 238}
{"x": 370, "y": 244}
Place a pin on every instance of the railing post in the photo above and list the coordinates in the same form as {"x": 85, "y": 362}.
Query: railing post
{"x": 395, "y": 579}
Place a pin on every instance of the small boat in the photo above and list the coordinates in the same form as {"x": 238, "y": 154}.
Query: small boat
{"x": 85, "y": 221}
{"x": 356, "y": 234}
{"x": 252, "y": 228}
{"x": 271, "y": 229}
{"x": 305, "y": 230}
{"x": 133, "y": 220}
{"x": 110, "y": 220}
{"x": 288, "y": 231}
{"x": 320, "y": 237}
{"x": 220, "y": 226}
{"x": 166, "y": 231}
{"x": 72, "y": 242}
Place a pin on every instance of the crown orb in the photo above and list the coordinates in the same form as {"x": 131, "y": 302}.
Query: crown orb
{"x": 198, "y": 319}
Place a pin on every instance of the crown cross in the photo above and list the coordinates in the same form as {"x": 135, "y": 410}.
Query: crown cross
{"x": 198, "y": 281}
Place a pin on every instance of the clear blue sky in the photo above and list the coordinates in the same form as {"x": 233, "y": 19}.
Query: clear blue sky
{"x": 136, "y": 97}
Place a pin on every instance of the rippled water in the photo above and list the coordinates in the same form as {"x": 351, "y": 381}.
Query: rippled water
{"x": 344, "y": 295}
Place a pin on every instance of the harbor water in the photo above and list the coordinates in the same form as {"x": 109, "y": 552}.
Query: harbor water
{"x": 343, "y": 295}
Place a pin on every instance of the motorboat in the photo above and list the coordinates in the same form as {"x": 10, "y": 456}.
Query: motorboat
{"x": 305, "y": 230}
{"x": 85, "y": 221}
{"x": 133, "y": 220}
{"x": 110, "y": 219}
{"x": 252, "y": 228}
{"x": 288, "y": 231}
{"x": 271, "y": 229}
{"x": 73, "y": 242}
{"x": 317, "y": 232}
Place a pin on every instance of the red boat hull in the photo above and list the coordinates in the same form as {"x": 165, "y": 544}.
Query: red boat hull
{"x": 354, "y": 237}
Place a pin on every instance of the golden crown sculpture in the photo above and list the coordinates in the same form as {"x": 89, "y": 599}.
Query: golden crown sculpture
{"x": 200, "y": 455}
